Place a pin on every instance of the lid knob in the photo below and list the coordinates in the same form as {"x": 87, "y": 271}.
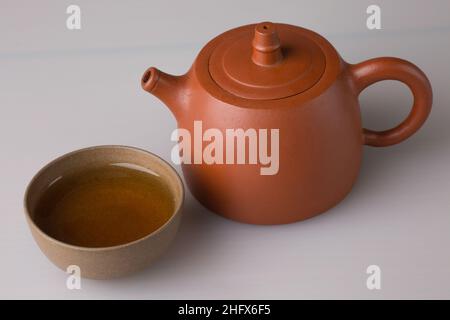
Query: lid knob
{"x": 266, "y": 45}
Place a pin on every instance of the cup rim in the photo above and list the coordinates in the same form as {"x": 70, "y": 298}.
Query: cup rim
{"x": 175, "y": 213}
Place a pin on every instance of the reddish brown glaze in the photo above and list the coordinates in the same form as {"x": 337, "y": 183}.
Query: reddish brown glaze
{"x": 290, "y": 78}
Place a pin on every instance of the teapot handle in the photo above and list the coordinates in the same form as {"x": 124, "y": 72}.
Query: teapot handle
{"x": 368, "y": 72}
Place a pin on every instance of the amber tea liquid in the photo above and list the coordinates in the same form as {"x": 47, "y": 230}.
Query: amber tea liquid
{"x": 104, "y": 206}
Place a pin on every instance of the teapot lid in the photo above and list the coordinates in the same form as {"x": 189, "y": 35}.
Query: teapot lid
{"x": 266, "y": 61}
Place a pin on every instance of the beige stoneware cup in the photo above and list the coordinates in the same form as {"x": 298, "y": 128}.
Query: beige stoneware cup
{"x": 114, "y": 261}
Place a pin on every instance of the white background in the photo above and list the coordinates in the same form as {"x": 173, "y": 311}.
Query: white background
{"x": 62, "y": 90}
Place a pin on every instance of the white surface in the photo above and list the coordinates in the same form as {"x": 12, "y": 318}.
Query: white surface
{"x": 62, "y": 90}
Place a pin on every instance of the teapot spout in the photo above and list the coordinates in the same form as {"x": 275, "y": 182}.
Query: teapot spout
{"x": 167, "y": 88}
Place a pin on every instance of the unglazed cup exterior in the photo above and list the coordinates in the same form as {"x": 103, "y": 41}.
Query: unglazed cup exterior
{"x": 114, "y": 261}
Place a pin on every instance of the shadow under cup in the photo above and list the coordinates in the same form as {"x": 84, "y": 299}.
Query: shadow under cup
{"x": 137, "y": 245}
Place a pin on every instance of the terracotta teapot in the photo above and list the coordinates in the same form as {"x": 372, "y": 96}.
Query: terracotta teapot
{"x": 275, "y": 76}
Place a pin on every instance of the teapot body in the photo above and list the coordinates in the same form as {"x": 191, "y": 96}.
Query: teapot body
{"x": 319, "y": 154}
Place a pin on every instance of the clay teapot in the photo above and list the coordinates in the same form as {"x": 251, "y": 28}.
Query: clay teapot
{"x": 292, "y": 82}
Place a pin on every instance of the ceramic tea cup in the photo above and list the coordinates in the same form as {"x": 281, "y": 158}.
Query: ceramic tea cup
{"x": 102, "y": 262}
